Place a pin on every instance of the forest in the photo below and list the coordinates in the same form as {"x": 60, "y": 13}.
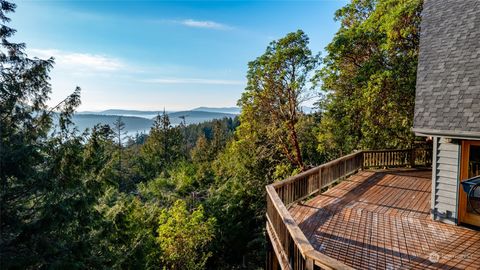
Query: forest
{"x": 193, "y": 197}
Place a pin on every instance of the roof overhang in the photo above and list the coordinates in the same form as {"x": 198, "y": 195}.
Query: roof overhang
{"x": 454, "y": 134}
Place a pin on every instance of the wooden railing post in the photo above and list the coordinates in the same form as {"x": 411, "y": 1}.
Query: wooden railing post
{"x": 320, "y": 179}
{"x": 308, "y": 263}
{"x": 412, "y": 157}
{"x": 362, "y": 159}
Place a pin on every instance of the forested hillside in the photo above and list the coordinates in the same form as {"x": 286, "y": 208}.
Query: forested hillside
{"x": 193, "y": 197}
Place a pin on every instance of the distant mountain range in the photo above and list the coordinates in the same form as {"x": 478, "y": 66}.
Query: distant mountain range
{"x": 232, "y": 110}
{"x": 151, "y": 114}
{"x": 133, "y": 124}
{"x": 194, "y": 117}
{"x": 122, "y": 112}
{"x": 141, "y": 121}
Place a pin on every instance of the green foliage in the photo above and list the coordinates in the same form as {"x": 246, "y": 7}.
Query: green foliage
{"x": 130, "y": 234}
{"x": 160, "y": 191}
{"x": 307, "y": 135}
{"x": 238, "y": 202}
{"x": 369, "y": 77}
{"x": 202, "y": 152}
{"x": 194, "y": 131}
{"x": 183, "y": 176}
{"x": 183, "y": 237}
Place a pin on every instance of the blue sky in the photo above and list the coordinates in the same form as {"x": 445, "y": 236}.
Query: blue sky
{"x": 156, "y": 54}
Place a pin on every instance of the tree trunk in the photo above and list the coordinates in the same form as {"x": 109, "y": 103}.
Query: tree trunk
{"x": 296, "y": 145}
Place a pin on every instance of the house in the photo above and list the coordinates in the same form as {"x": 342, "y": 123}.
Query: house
{"x": 447, "y": 102}
{"x": 386, "y": 209}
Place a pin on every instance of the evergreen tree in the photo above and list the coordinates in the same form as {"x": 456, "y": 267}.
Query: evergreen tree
{"x": 47, "y": 189}
{"x": 120, "y": 133}
{"x": 163, "y": 147}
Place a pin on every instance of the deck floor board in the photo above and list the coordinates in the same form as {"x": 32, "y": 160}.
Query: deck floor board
{"x": 381, "y": 220}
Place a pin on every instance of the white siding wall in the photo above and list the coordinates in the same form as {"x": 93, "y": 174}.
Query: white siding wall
{"x": 446, "y": 160}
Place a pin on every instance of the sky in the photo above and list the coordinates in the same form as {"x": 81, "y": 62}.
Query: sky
{"x": 150, "y": 55}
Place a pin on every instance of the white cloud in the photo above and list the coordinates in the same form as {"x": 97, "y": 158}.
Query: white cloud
{"x": 204, "y": 24}
{"x": 79, "y": 61}
{"x": 193, "y": 81}
{"x": 195, "y": 24}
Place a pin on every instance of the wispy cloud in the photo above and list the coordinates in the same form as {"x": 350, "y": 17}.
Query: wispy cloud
{"x": 193, "y": 81}
{"x": 205, "y": 24}
{"x": 79, "y": 61}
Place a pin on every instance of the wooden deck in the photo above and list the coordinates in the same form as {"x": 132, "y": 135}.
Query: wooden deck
{"x": 381, "y": 220}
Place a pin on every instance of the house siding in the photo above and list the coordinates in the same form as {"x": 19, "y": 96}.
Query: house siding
{"x": 445, "y": 179}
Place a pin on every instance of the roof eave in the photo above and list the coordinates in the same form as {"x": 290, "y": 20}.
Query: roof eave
{"x": 454, "y": 134}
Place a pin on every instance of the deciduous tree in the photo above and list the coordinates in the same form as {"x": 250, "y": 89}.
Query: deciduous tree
{"x": 275, "y": 90}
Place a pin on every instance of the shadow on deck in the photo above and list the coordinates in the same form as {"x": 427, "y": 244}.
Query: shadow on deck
{"x": 381, "y": 220}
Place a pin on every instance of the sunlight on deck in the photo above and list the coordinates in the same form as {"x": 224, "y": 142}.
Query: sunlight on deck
{"x": 381, "y": 220}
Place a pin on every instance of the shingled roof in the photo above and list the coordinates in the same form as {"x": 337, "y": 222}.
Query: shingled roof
{"x": 447, "y": 98}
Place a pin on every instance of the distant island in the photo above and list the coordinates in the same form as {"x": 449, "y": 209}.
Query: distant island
{"x": 141, "y": 121}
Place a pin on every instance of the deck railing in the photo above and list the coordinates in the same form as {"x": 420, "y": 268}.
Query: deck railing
{"x": 397, "y": 158}
{"x": 292, "y": 248}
